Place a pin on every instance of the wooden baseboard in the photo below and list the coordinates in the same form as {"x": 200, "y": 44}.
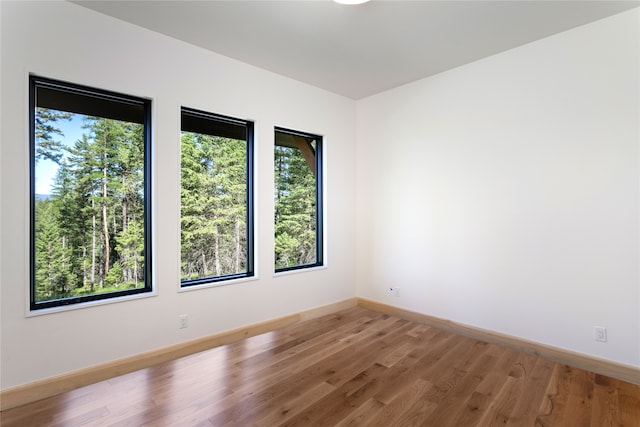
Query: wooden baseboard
{"x": 327, "y": 309}
{"x": 27, "y": 393}
{"x": 620, "y": 371}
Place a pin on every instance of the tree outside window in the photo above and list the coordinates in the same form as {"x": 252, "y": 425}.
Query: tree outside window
{"x": 298, "y": 200}
{"x": 90, "y": 194}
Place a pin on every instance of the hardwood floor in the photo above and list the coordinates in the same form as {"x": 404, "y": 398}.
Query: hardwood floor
{"x": 353, "y": 368}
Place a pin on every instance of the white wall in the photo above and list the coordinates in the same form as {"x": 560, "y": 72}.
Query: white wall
{"x": 504, "y": 194}
{"x": 68, "y": 42}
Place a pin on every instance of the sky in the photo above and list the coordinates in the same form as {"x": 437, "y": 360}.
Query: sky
{"x": 46, "y": 169}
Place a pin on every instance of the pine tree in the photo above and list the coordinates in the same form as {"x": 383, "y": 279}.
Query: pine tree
{"x": 53, "y": 256}
{"x": 295, "y": 214}
{"x": 213, "y": 206}
{"x": 45, "y": 129}
{"x": 90, "y": 237}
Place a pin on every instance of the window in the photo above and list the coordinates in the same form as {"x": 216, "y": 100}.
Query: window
{"x": 298, "y": 200}
{"x": 216, "y": 198}
{"x": 90, "y": 194}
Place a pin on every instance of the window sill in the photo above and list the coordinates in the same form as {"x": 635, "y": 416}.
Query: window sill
{"x": 300, "y": 270}
{"x": 82, "y": 305}
{"x": 216, "y": 284}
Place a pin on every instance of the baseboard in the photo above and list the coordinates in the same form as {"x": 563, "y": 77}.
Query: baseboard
{"x": 327, "y": 309}
{"x": 27, "y": 393}
{"x": 620, "y": 371}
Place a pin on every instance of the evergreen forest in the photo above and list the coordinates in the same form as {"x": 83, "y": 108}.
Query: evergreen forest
{"x": 295, "y": 208}
{"x": 213, "y": 206}
{"x": 89, "y": 229}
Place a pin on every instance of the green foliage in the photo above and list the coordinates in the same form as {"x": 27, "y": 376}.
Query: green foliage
{"x": 295, "y": 209}
{"x": 114, "y": 277}
{"x": 45, "y": 129}
{"x": 213, "y": 206}
{"x": 130, "y": 246}
{"x": 53, "y": 276}
{"x": 89, "y": 234}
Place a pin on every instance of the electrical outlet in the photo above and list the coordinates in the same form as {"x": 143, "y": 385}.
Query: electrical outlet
{"x": 184, "y": 321}
{"x": 395, "y": 290}
{"x": 600, "y": 333}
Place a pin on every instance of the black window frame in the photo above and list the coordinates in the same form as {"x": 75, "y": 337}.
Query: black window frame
{"x": 72, "y": 97}
{"x": 319, "y": 153}
{"x": 204, "y": 122}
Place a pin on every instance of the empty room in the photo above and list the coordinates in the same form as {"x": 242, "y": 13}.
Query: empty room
{"x": 392, "y": 213}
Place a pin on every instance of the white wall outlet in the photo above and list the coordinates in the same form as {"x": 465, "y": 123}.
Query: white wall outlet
{"x": 184, "y": 321}
{"x": 600, "y": 333}
{"x": 395, "y": 290}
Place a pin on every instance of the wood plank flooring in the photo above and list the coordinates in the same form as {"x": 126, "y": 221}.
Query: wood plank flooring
{"x": 353, "y": 368}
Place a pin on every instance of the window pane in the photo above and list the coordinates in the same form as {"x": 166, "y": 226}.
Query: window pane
{"x": 216, "y": 227}
{"x": 89, "y": 199}
{"x": 298, "y": 236}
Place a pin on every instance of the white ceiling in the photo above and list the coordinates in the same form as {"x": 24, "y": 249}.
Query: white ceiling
{"x": 357, "y": 51}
